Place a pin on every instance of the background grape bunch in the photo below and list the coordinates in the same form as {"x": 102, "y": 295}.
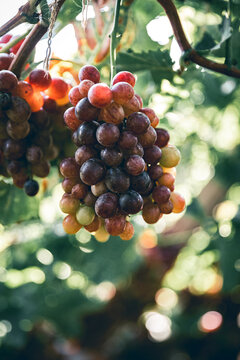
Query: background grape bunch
{"x": 123, "y": 164}
{"x": 28, "y": 112}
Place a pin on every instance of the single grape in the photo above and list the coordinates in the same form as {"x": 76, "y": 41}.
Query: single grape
{"x": 140, "y": 100}
{"x": 167, "y": 207}
{"x": 18, "y": 131}
{"x": 89, "y": 72}
{"x": 178, "y": 202}
{"x": 5, "y": 61}
{"x": 79, "y": 191}
{"x": 19, "y": 110}
{"x": 100, "y": 95}
{"x": 92, "y": 171}
{"x": 151, "y": 213}
{"x": 152, "y": 155}
{"x": 128, "y": 232}
{"x": 84, "y": 153}
{"x": 148, "y": 138}
{"x": 151, "y": 115}
{"x": 41, "y": 169}
{"x": 14, "y": 167}
{"x": 162, "y": 137}
{"x": 5, "y": 100}
{"x": 24, "y": 90}
{"x": 69, "y": 168}
{"x": 74, "y": 95}
{"x": 41, "y": 120}
{"x": 8, "y": 81}
{"x": 117, "y": 180}
{"x": 99, "y": 189}
{"x": 107, "y": 134}
{"x": 89, "y": 199}
{"x": 131, "y": 106}
{"x": 85, "y": 111}
{"x": 40, "y": 79}
{"x": 135, "y": 165}
{"x": 49, "y": 105}
{"x": 168, "y": 180}
{"x": 127, "y": 140}
{"x": 71, "y": 225}
{"x": 112, "y": 114}
{"x": 58, "y": 89}
{"x": 68, "y": 184}
{"x": 36, "y": 101}
{"x": 101, "y": 234}
{"x": 94, "y": 226}
{"x": 155, "y": 172}
{"x": 86, "y": 133}
{"x": 51, "y": 153}
{"x": 170, "y": 156}
{"x": 13, "y": 149}
{"x": 124, "y": 76}
{"x": 84, "y": 88}
{"x": 140, "y": 183}
{"x": 70, "y": 119}
{"x": 138, "y": 123}
{"x": 68, "y": 204}
{"x": 131, "y": 202}
{"x": 112, "y": 157}
{"x": 106, "y": 205}
{"x": 161, "y": 194}
{"x": 115, "y": 225}
{"x": 122, "y": 92}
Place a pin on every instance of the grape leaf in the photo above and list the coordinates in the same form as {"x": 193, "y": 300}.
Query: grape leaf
{"x": 16, "y": 204}
{"x": 157, "y": 62}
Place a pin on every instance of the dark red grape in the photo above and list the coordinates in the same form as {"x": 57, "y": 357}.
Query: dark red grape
{"x": 85, "y": 111}
{"x": 131, "y": 202}
{"x": 112, "y": 157}
{"x": 155, "y": 172}
{"x": 107, "y": 134}
{"x": 69, "y": 168}
{"x": 92, "y": 171}
{"x": 34, "y": 154}
{"x": 18, "y": 131}
{"x": 68, "y": 184}
{"x": 162, "y": 137}
{"x": 115, "y": 225}
{"x": 141, "y": 182}
{"x": 41, "y": 169}
{"x": 79, "y": 191}
{"x": 151, "y": 213}
{"x": 19, "y": 111}
{"x": 106, "y": 205}
{"x": 127, "y": 140}
{"x": 89, "y": 72}
{"x": 89, "y": 199}
{"x": 135, "y": 165}
{"x": 5, "y": 61}
{"x": 167, "y": 207}
{"x": 13, "y": 149}
{"x": 8, "y": 81}
{"x": 152, "y": 155}
{"x": 5, "y": 100}
{"x": 40, "y": 79}
{"x": 138, "y": 123}
{"x": 71, "y": 120}
{"x": 148, "y": 138}
{"x": 84, "y": 153}
{"x": 161, "y": 194}
{"x": 136, "y": 150}
{"x": 86, "y": 133}
{"x": 117, "y": 180}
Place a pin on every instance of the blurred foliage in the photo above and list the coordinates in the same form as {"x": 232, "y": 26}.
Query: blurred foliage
{"x": 64, "y": 286}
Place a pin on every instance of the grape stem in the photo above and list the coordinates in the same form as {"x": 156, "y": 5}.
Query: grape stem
{"x": 185, "y": 46}
{"x": 113, "y": 38}
{"x": 29, "y": 44}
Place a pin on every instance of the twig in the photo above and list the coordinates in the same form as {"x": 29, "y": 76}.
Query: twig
{"x": 29, "y": 44}
{"x": 112, "y": 36}
{"x": 23, "y": 15}
{"x": 184, "y": 45}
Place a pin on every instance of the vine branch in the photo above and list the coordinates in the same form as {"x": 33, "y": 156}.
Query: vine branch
{"x": 30, "y": 42}
{"x": 185, "y": 46}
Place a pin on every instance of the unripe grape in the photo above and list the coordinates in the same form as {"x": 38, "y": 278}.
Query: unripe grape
{"x": 101, "y": 235}
{"x": 178, "y": 202}
{"x": 115, "y": 225}
{"x": 71, "y": 225}
{"x": 69, "y": 204}
{"x": 168, "y": 180}
{"x": 85, "y": 215}
{"x": 99, "y": 188}
{"x": 128, "y": 232}
{"x": 170, "y": 156}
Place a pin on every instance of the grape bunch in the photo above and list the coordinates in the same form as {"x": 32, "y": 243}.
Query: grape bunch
{"x": 122, "y": 165}
{"x": 27, "y": 111}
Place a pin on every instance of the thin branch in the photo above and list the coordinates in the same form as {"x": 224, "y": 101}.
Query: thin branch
{"x": 29, "y": 44}
{"x": 113, "y": 40}
{"x": 185, "y": 46}
{"x": 24, "y": 11}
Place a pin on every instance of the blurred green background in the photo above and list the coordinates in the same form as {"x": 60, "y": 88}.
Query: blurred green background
{"x": 173, "y": 291}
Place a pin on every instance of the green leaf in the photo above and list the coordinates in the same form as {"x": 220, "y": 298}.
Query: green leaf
{"x": 157, "y": 62}
{"x": 16, "y": 205}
